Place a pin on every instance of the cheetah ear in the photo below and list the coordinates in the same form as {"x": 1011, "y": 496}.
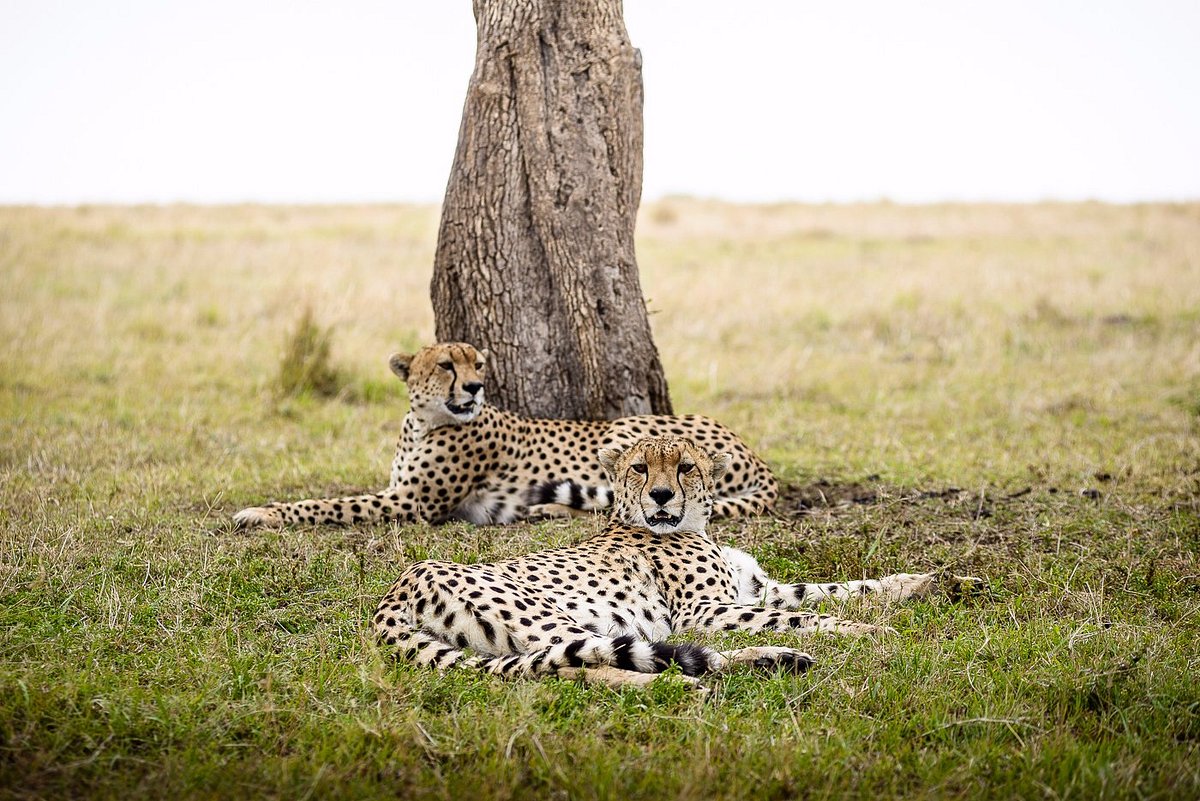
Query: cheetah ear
{"x": 720, "y": 463}
{"x": 399, "y": 362}
{"x": 484, "y": 354}
{"x": 608, "y": 460}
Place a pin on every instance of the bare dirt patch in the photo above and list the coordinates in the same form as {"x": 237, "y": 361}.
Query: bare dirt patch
{"x": 798, "y": 500}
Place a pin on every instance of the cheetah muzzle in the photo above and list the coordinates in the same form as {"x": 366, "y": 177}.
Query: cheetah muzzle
{"x": 663, "y": 519}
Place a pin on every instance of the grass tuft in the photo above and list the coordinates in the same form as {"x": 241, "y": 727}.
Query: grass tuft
{"x": 306, "y": 367}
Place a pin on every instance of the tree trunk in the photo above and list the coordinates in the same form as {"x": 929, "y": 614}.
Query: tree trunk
{"x": 535, "y": 258}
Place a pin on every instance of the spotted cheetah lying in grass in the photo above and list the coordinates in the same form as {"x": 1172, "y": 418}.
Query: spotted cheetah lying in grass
{"x": 459, "y": 458}
{"x": 602, "y": 610}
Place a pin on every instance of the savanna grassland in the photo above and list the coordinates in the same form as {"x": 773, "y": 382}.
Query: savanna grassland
{"x": 1011, "y": 392}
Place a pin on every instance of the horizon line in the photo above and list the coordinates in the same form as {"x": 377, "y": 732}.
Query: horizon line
{"x": 881, "y": 200}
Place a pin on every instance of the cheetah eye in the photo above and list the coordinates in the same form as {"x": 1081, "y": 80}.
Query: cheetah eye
{"x": 478, "y": 365}
{"x": 446, "y": 365}
{"x": 639, "y": 468}
{"x": 685, "y": 468}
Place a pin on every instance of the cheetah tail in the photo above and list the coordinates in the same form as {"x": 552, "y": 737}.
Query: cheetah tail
{"x": 571, "y": 494}
{"x": 624, "y": 652}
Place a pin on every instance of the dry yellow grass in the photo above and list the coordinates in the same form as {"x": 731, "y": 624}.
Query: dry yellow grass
{"x": 955, "y": 320}
{"x": 855, "y": 336}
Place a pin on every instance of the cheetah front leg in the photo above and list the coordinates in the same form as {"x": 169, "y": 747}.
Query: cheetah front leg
{"x": 398, "y": 504}
{"x": 711, "y": 616}
{"x": 616, "y": 678}
{"x": 768, "y": 657}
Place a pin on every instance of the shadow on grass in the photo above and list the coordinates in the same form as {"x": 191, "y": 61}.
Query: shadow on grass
{"x": 827, "y": 497}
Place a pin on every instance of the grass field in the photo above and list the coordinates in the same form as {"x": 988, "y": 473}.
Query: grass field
{"x": 1011, "y": 391}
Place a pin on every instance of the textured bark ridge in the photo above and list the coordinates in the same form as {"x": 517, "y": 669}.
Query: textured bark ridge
{"x": 535, "y": 257}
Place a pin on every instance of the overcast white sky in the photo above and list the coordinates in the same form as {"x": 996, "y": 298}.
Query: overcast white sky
{"x": 360, "y": 100}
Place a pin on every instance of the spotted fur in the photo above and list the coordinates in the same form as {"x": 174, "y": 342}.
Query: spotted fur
{"x": 609, "y": 603}
{"x": 459, "y": 458}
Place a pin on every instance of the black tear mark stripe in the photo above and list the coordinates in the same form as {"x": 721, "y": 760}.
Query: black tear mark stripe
{"x": 683, "y": 500}
{"x": 453, "y": 382}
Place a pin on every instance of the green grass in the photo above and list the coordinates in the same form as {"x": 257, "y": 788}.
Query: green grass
{"x": 937, "y": 385}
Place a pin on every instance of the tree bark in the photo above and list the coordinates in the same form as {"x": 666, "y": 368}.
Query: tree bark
{"x": 535, "y": 256}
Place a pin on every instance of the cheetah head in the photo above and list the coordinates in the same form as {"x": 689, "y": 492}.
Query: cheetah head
{"x": 445, "y": 382}
{"x": 663, "y": 483}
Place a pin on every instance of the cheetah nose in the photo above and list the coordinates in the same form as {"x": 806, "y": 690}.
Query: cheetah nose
{"x": 661, "y": 495}
{"x": 473, "y": 388}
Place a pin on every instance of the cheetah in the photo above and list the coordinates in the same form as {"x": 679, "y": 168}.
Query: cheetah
{"x": 459, "y": 458}
{"x": 603, "y": 609}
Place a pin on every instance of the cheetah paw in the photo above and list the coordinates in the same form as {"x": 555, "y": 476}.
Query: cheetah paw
{"x": 552, "y": 511}
{"x": 258, "y": 516}
{"x": 958, "y": 588}
{"x": 789, "y": 660}
{"x": 908, "y": 586}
